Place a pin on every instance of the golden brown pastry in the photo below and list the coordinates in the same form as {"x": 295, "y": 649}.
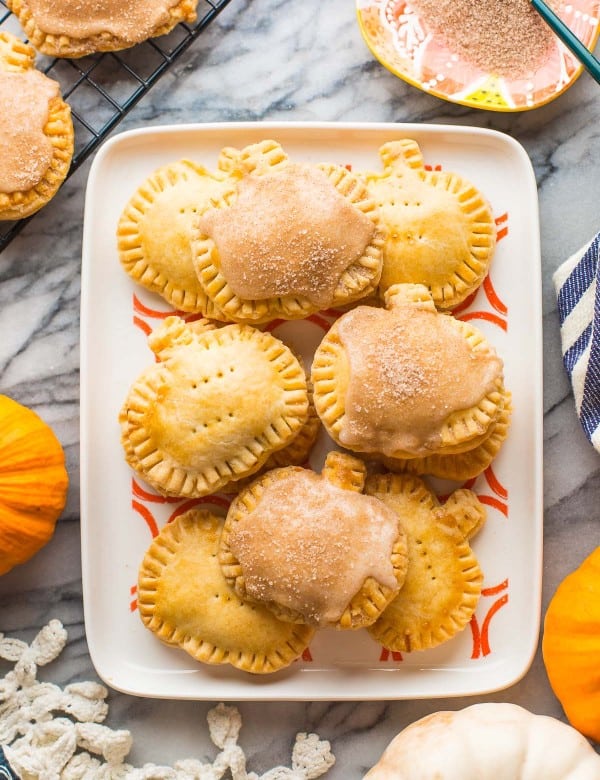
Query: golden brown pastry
{"x": 183, "y": 598}
{"x": 440, "y": 228}
{"x": 443, "y": 580}
{"x": 65, "y": 28}
{"x": 295, "y": 238}
{"x": 406, "y": 381}
{"x": 36, "y": 137}
{"x": 154, "y": 232}
{"x": 463, "y": 465}
{"x": 212, "y": 410}
{"x": 312, "y": 548}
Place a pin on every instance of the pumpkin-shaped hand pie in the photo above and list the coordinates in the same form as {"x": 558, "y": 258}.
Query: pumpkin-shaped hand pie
{"x": 312, "y": 547}
{"x": 36, "y": 136}
{"x": 214, "y": 407}
{"x": 408, "y": 381}
{"x": 293, "y": 239}
{"x": 443, "y": 580}
{"x": 463, "y": 465}
{"x": 65, "y": 28}
{"x": 184, "y": 599}
{"x": 440, "y": 228}
{"x": 571, "y": 646}
{"x": 155, "y": 228}
{"x": 491, "y": 741}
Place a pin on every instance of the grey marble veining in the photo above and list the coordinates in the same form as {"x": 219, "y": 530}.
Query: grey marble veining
{"x": 293, "y": 60}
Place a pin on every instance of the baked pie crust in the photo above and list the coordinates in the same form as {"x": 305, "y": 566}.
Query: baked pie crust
{"x": 440, "y": 228}
{"x": 184, "y": 599}
{"x": 36, "y": 139}
{"x": 296, "y": 453}
{"x": 464, "y": 465}
{"x": 213, "y": 408}
{"x": 68, "y": 29}
{"x": 293, "y": 239}
{"x": 154, "y": 232}
{"x": 443, "y": 580}
{"x": 312, "y": 548}
{"x": 408, "y": 381}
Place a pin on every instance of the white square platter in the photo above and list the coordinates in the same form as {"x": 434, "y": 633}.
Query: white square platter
{"x": 119, "y": 513}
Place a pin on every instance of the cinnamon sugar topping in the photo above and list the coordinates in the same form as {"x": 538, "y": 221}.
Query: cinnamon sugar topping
{"x": 289, "y": 232}
{"x": 409, "y": 372}
{"x": 129, "y": 20}
{"x": 310, "y": 545}
{"x": 25, "y": 151}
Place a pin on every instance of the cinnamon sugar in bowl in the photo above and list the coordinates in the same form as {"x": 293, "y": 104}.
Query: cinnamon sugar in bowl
{"x": 492, "y": 54}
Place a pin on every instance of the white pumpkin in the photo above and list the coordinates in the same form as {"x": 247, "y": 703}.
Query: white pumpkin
{"x": 488, "y": 742}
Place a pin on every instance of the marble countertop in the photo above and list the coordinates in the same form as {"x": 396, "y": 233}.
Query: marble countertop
{"x": 275, "y": 60}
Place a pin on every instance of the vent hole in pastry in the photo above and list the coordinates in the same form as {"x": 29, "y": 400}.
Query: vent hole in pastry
{"x": 220, "y": 374}
{"x": 205, "y": 380}
{"x": 231, "y": 369}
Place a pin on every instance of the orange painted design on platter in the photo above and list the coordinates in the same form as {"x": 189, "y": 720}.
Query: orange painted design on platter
{"x": 481, "y": 640}
{"x": 147, "y": 515}
{"x": 387, "y": 655}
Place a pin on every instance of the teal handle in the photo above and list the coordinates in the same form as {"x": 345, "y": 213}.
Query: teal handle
{"x": 570, "y": 40}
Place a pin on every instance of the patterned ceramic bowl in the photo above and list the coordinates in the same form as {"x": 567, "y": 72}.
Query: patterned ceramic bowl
{"x": 405, "y": 44}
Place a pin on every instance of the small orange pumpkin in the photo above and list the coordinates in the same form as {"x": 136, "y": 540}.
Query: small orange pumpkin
{"x": 571, "y": 646}
{"x": 33, "y": 483}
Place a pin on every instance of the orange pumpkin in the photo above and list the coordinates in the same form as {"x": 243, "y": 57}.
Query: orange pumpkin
{"x": 33, "y": 483}
{"x": 571, "y": 646}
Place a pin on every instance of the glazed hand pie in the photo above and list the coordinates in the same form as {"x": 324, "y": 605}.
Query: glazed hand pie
{"x": 183, "y": 598}
{"x": 464, "y": 465}
{"x": 443, "y": 581}
{"x": 154, "y": 233}
{"x": 440, "y": 228}
{"x": 66, "y": 28}
{"x": 212, "y": 410}
{"x": 36, "y": 138}
{"x": 295, "y": 238}
{"x": 312, "y": 547}
{"x": 408, "y": 381}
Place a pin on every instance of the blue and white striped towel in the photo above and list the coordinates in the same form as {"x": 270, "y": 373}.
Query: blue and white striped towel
{"x": 578, "y": 295}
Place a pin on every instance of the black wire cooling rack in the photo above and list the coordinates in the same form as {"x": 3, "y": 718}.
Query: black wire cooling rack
{"x": 102, "y": 88}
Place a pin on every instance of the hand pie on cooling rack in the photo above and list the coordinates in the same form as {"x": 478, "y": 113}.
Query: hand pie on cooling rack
{"x": 66, "y": 28}
{"x": 407, "y": 382}
{"x": 443, "y": 579}
{"x": 36, "y": 137}
{"x": 440, "y": 228}
{"x": 184, "y": 599}
{"x": 154, "y": 233}
{"x": 293, "y": 239}
{"x": 312, "y": 547}
{"x": 212, "y": 410}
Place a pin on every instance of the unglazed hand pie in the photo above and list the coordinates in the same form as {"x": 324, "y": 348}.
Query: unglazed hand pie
{"x": 443, "y": 580}
{"x": 212, "y": 410}
{"x": 440, "y": 228}
{"x": 295, "y": 238}
{"x": 66, "y": 28}
{"x": 184, "y": 599}
{"x": 36, "y": 137}
{"x": 408, "y": 381}
{"x": 296, "y": 453}
{"x": 312, "y": 548}
{"x": 154, "y": 233}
